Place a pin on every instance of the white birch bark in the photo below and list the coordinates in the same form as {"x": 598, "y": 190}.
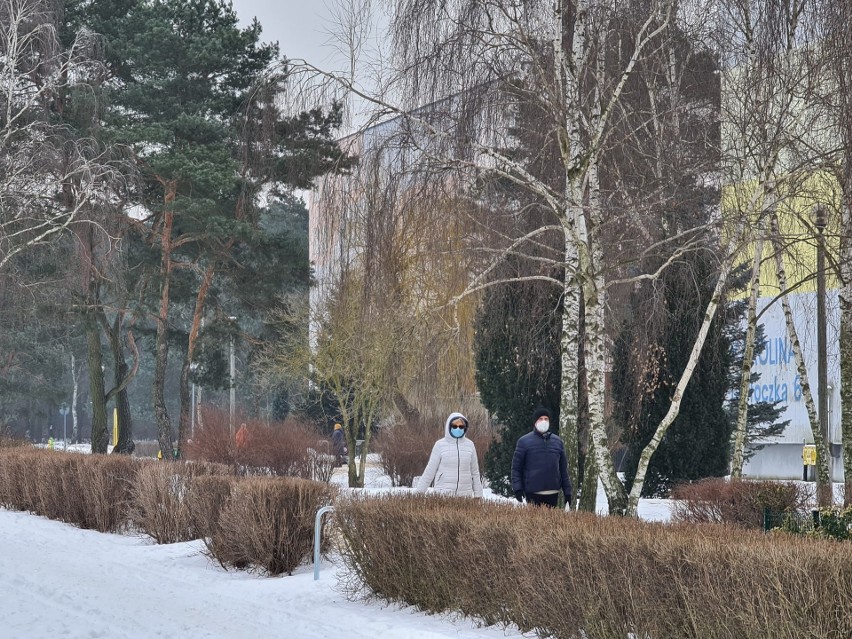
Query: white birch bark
{"x": 570, "y": 342}
{"x": 748, "y": 362}
{"x": 823, "y": 476}
{"x": 841, "y": 32}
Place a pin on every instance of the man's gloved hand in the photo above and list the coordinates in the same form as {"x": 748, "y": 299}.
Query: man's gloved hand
{"x": 567, "y": 502}
{"x": 519, "y": 495}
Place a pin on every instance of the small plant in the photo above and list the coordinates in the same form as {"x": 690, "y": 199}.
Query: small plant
{"x": 835, "y": 523}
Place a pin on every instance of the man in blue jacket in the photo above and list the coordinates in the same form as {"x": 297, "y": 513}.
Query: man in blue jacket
{"x": 539, "y": 466}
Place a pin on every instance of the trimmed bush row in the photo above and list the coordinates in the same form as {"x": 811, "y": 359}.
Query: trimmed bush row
{"x": 577, "y": 575}
{"x": 263, "y": 524}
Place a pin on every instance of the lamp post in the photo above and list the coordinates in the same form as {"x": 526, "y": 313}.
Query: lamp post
{"x": 822, "y": 363}
{"x": 63, "y": 410}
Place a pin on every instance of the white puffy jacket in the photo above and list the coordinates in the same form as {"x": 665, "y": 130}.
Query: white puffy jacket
{"x": 453, "y": 466}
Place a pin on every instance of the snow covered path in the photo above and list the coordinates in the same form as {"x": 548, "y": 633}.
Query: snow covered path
{"x": 59, "y": 581}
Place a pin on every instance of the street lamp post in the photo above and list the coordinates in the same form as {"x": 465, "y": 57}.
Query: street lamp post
{"x": 822, "y": 364}
{"x": 63, "y": 410}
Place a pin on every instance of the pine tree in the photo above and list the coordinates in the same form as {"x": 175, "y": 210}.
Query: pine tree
{"x": 517, "y": 366}
{"x": 195, "y": 96}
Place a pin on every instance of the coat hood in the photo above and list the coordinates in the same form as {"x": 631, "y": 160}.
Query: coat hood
{"x": 452, "y": 417}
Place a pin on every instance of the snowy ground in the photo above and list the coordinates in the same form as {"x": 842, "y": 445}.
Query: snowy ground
{"x": 59, "y": 581}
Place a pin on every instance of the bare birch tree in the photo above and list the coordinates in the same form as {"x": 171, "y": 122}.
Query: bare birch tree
{"x": 740, "y": 429}
{"x": 837, "y": 21}
{"x": 462, "y": 68}
{"x": 48, "y": 176}
{"x": 774, "y": 143}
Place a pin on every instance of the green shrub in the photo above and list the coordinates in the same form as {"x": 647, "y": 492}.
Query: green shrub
{"x": 835, "y": 523}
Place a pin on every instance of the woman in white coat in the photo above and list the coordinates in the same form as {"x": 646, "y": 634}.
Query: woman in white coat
{"x": 453, "y": 466}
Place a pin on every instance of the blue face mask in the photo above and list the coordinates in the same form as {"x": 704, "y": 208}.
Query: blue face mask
{"x": 457, "y": 432}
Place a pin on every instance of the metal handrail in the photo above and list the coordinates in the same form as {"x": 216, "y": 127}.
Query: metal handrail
{"x": 317, "y": 535}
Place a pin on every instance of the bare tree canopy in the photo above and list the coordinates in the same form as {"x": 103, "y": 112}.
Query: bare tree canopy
{"x": 50, "y": 174}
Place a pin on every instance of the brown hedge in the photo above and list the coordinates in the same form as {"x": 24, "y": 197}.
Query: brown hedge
{"x": 165, "y": 505}
{"x": 91, "y": 491}
{"x": 571, "y": 575}
{"x": 267, "y": 524}
{"x": 289, "y": 448}
{"x": 737, "y": 502}
{"x": 257, "y": 523}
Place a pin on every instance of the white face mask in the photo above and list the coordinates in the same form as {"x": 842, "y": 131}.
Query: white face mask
{"x": 542, "y": 426}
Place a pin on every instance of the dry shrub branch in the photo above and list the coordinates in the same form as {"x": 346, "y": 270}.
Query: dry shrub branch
{"x": 267, "y": 525}
{"x": 256, "y": 523}
{"x": 404, "y": 448}
{"x": 164, "y": 504}
{"x": 736, "y": 502}
{"x": 88, "y": 491}
{"x": 285, "y": 449}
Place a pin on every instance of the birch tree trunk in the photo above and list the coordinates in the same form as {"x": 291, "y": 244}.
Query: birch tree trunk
{"x": 824, "y": 488}
{"x": 840, "y": 29}
{"x": 594, "y": 350}
{"x": 674, "y": 409}
{"x": 748, "y": 362}
{"x": 568, "y": 401}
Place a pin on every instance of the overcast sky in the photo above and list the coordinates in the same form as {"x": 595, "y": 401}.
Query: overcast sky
{"x": 299, "y": 26}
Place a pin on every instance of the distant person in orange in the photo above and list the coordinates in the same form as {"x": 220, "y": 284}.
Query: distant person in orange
{"x": 242, "y": 436}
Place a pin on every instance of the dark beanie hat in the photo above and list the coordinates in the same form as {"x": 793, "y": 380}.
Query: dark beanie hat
{"x": 541, "y": 412}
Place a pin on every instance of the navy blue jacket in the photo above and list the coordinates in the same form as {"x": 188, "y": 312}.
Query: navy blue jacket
{"x": 540, "y": 464}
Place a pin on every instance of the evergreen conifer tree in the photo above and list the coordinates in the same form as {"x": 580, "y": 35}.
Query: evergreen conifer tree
{"x": 517, "y": 366}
